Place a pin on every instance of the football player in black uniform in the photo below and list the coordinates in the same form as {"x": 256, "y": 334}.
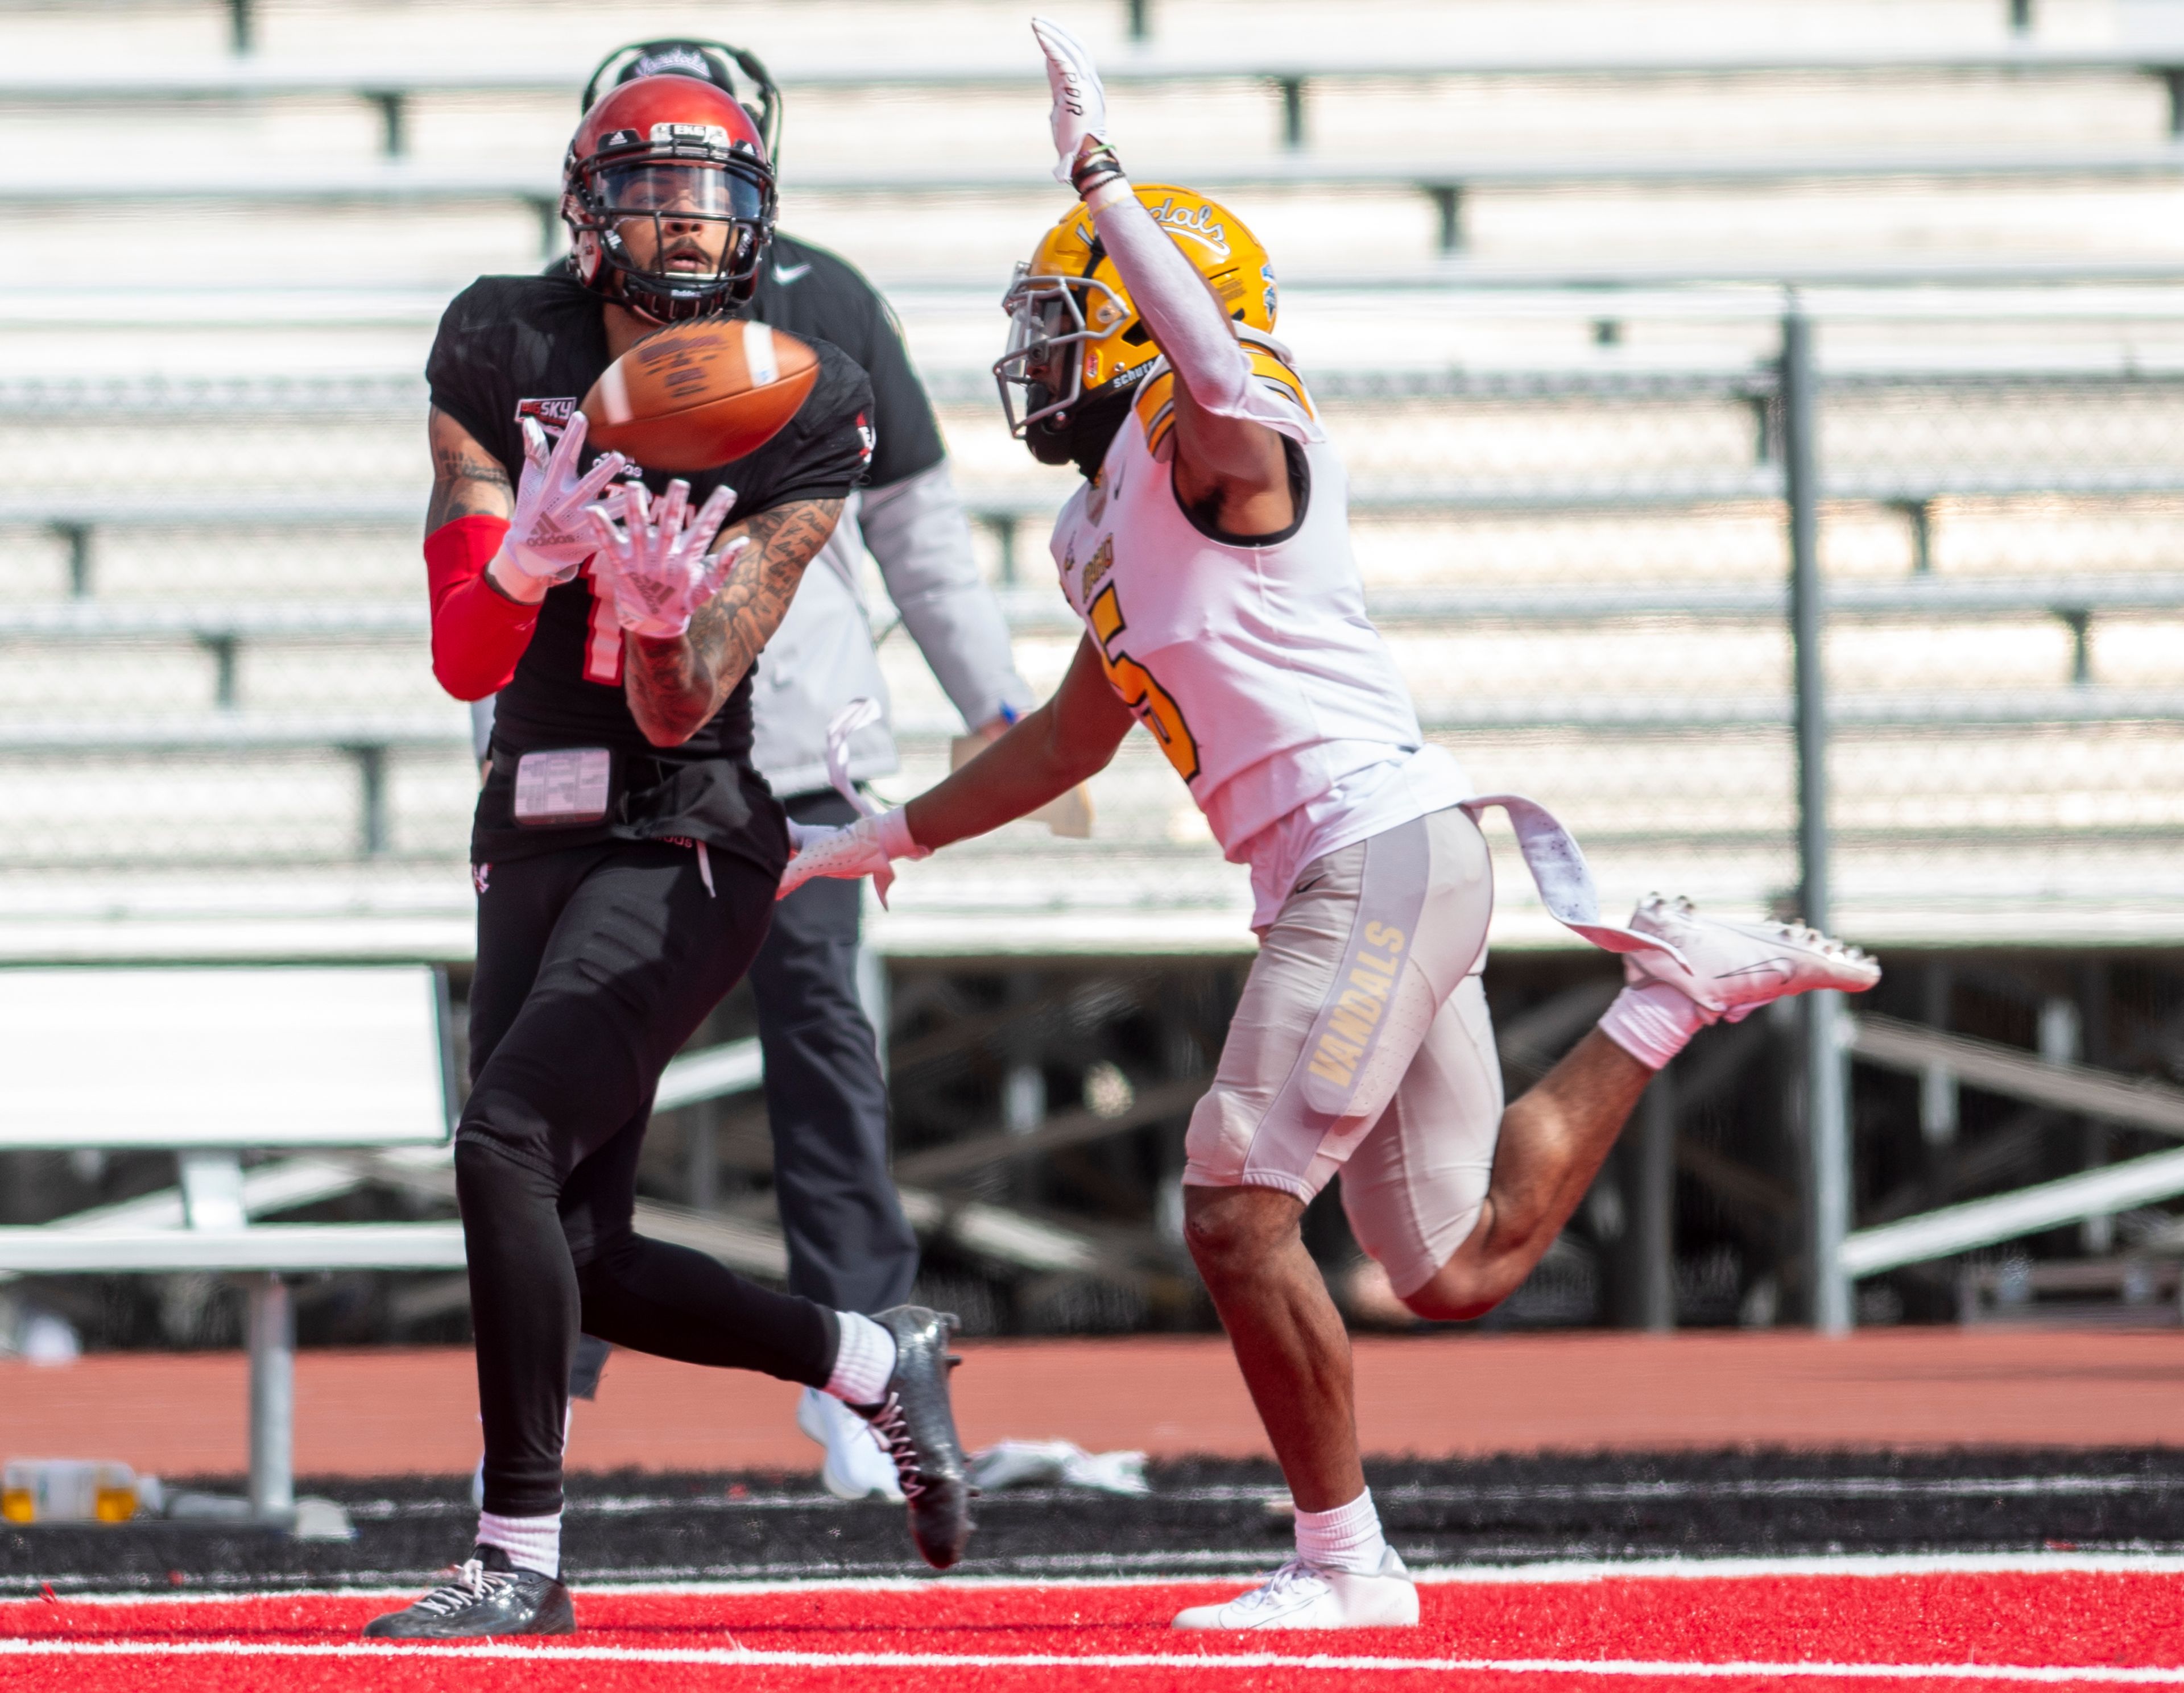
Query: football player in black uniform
{"x": 849, "y": 1246}
{"x": 625, "y": 852}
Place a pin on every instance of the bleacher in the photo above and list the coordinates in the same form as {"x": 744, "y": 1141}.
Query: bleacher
{"x": 1559, "y": 439}
{"x": 1536, "y": 266}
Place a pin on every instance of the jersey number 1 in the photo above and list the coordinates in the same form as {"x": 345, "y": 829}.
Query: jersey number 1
{"x": 1155, "y": 706}
{"x": 602, "y": 633}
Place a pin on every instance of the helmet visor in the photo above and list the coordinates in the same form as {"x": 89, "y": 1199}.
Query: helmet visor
{"x": 687, "y": 224}
{"x": 697, "y": 190}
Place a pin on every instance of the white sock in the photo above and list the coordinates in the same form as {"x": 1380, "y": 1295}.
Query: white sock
{"x": 1652, "y": 1023}
{"x": 531, "y": 1542}
{"x": 1346, "y": 1538}
{"x": 863, "y": 1361}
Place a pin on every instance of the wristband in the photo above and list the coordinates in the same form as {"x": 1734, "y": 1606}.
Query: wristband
{"x": 537, "y": 588}
{"x": 1096, "y": 167}
{"x": 891, "y": 834}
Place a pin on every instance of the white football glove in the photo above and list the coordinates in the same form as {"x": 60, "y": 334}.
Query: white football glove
{"x": 1080, "y": 103}
{"x": 548, "y": 538}
{"x": 656, "y": 560}
{"x": 867, "y": 847}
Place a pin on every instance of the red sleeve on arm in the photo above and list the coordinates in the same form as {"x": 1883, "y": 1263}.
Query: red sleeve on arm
{"x": 478, "y": 632}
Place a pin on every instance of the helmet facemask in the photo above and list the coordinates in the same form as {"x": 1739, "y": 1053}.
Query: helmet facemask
{"x": 1041, "y": 373}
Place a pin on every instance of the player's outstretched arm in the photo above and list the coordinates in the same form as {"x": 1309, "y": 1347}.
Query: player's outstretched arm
{"x": 1046, "y": 753}
{"x": 674, "y": 685}
{"x": 1068, "y": 740}
{"x": 1228, "y": 464}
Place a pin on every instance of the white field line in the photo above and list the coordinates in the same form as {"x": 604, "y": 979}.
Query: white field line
{"x": 1633, "y": 1668}
{"x": 1875, "y": 1566}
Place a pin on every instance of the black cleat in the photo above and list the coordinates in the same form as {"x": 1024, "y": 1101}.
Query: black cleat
{"x": 918, "y": 1426}
{"x": 488, "y": 1595}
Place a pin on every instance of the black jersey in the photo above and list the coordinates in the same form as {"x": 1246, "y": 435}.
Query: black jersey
{"x": 815, "y": 295}
{"x": 513, "y": 347}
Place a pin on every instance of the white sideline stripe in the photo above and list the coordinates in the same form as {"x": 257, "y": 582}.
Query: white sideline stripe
{"x": 1864, "y": 1566}
{"x": 1632, "y": 1667}
{"x": 1878, "y": 1566}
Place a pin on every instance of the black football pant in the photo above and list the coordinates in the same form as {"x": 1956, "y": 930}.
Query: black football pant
{"x": 849, "y": 1246}
{"x": 595, "y": 964}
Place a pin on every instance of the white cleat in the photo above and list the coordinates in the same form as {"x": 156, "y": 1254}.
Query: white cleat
{"x": 1303, "y": 1596}
{"x": 1732, "y": 969}
{"x": 857, "y": 1466}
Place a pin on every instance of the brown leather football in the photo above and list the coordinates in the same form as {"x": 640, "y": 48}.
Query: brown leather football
{"x": 700, "y": 394}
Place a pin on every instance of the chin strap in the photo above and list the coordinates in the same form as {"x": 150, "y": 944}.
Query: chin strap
{"x": 1559, "y": 871}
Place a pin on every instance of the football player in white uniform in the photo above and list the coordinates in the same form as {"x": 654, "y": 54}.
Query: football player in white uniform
{"x": 1208, "y": 554}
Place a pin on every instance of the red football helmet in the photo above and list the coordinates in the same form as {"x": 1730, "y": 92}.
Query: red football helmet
{"x": 669, "y": 198}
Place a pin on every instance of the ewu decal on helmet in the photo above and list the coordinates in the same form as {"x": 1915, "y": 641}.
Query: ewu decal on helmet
{"x": 1077, "y": 345}
{"x": 669, "y": 197}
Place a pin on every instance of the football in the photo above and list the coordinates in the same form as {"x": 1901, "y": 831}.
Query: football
{"x": 700, "y": 394}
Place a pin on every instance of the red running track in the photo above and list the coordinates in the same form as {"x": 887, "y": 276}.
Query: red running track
{"x": 394, "y": 1413}
{"x": 1917, "y": 1624}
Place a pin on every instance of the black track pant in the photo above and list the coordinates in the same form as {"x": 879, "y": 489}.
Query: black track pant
{"x": 595, "y": 964}
{"x": 826, "y": 1100}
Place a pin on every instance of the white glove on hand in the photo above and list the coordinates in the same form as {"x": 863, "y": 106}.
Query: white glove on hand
{"x": 548, "y": 538}
{"x": 1080, "y": 103}
{"x": 867, "y": 847}
{"x": 655, "y": 562}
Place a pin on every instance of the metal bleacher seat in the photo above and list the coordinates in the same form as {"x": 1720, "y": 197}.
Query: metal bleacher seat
{"x": 211, "y": 1064}
{"x": 1443, "y": 180}
{"x": 393, "y": 90}
{"x": 1436, "y": 545}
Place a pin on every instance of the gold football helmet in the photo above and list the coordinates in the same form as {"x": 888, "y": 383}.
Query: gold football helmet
{"x": 1075, "y": 338}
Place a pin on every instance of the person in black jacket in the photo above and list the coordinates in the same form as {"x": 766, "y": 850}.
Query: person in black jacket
{"x": 626, "y": 854}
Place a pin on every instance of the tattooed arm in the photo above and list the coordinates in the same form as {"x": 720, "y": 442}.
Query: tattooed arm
{"x": 675, "y": 687}
{"x": 467, "y": 481}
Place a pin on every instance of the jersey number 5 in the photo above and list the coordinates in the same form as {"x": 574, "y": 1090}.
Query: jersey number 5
{"x": 1155, "y": 707}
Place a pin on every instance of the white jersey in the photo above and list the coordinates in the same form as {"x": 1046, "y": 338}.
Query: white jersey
{"x": 1252, "y": 662}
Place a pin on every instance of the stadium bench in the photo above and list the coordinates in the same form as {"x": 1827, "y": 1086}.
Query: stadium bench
{"x": 220, "y": 630}
{"x": 367, "y": 740}
{"x": 1002, "y": 508}
{"x": 208, "y": 1063}
{"x": 1038, "y": 611}
{"x": 1445, "y": 180}
{"x": 384, "y": 306}
{"x": 392, "y": 89}
{"x": 1987, "y": 1066}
